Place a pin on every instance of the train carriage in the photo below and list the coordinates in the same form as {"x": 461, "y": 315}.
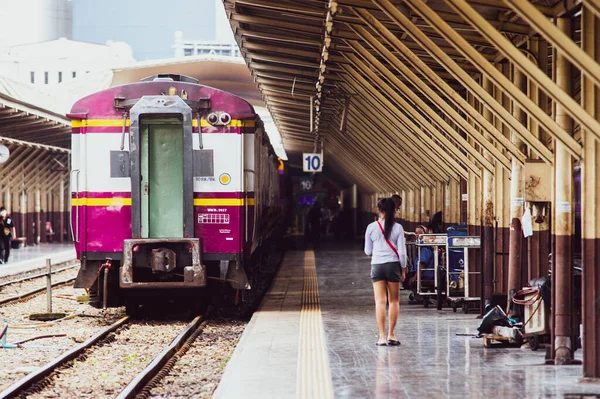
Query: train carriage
{"x": 173, "y": 184}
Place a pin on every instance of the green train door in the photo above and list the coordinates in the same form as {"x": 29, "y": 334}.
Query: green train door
{"x": 161, "y": 167}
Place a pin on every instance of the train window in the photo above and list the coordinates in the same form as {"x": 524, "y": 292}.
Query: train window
{"x": 119, "y": 164}
{"x": 204, "y": 165}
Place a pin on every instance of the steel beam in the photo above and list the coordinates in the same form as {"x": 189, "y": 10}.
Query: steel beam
{"x": 562, "y": 42}
{"x": 526, "y": 66}
{"x": 414, "y": 145}
{"x": 435, "y": 98}
{"x": 408, "y": 108}
{"x": 433, "y": 78}
{"x": 407, "y": 148}
{"x": 470, "y": 84}
{"x": 447, "y": 150}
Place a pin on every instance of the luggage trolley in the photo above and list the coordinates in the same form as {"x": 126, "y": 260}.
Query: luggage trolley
{"x": 458, "y": 293}
{"x": 435, "y": 241}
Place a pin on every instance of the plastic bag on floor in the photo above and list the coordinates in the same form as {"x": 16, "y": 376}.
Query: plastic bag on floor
{"x": 495, "y": 317}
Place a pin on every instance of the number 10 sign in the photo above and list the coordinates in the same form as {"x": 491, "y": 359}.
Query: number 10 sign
{"x": 312, "y": 162}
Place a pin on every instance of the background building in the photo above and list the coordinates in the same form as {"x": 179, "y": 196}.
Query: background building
{"x": 57, "y": 61}
{"x": 147, "y": 26}
{"x": 32, "y": 21}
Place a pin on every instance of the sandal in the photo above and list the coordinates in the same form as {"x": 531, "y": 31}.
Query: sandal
{"x": 381, "y": 343}
{"x": 393, "y": 342}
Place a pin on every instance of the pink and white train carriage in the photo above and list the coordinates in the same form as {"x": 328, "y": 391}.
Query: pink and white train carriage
{"x": 173, "y": 184}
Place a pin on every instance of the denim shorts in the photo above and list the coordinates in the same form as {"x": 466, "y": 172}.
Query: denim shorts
{"x": 389, "y": 272}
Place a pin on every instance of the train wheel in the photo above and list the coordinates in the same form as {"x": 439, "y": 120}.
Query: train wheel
{"x": 133, "y": 307}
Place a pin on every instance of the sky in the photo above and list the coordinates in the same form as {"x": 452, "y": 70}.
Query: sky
{"x": 97, "y": 21}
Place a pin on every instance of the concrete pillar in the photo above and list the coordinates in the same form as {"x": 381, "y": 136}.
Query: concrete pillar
{"x": 354, "y": 205}
{"x": 590, "y": 307}
{"x": 61, "y": 212}
{"x": 488, "y": 185}
{"x": 403, "y": 208}
{"x": 38, "y": 219}
{"x": 412, "y": 218}
{"x": 563, "y": 216}
{"x": 8, "y": 202}
{"x": 447, "y": 208}
{"x": 439, "y": 196}
{"x": 23, "y": 210}
{"x": 516, "y": 206}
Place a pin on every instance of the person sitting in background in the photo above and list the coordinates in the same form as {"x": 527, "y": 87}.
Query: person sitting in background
{"x": 425, "y": 259}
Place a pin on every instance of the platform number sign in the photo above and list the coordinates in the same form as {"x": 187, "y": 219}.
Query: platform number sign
{"x": 312, "y": 162}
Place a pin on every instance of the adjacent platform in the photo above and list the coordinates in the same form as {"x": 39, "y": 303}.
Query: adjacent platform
{"x": 282, "y": 355}
{"x": 34, "y": 257}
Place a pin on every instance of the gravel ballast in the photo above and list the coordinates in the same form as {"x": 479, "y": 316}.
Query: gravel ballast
{"x": 108, "y": 368}
{"x": 198, "y": 372}
{"x": 15, "y": 363}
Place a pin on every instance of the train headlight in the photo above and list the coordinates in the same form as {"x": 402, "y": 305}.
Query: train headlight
{"x": 225, "y": 179}
{"x": 225, "y": 118}
{"x": 212, "y": 119}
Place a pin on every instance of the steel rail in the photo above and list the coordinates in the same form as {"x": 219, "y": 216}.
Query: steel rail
{"x": 39, "y": 275}
{"x": 159, "y": 367}
{"x": 33, "y": 378}
{"x": 34, "y": 291}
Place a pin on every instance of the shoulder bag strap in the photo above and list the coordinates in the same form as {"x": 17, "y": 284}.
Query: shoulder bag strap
{"x": 388, "y": 241}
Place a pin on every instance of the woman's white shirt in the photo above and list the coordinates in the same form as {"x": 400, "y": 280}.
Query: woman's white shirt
{"x": 377, "y": 247}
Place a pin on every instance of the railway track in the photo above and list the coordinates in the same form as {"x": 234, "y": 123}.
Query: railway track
{"x": 40, "y": 380}
{"x": 30, "y": 289}
{"x": 69, "y": 266}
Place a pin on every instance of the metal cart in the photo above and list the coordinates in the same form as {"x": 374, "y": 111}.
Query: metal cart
{"x": 458, "y": 290}
{"x": 435, "y": 241}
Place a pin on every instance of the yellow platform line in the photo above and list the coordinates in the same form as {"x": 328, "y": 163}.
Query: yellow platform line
{"x": 314, "y": 374}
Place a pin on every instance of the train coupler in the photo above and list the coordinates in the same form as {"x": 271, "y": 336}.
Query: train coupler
{"x": 163, "y": 256}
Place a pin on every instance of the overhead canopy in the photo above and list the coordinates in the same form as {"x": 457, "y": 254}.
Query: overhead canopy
{"x": 22, "y": 123}
{"x": 396, "y": 89}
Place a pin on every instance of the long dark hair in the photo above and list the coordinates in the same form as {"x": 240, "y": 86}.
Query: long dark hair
{"x": 387, "y": 206}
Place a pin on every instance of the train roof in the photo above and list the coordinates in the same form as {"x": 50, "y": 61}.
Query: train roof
{"x": 101, "y": 104}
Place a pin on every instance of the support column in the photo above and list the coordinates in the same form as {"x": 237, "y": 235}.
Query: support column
{"x": 404, "y": 216}
{"x": 590, "y": 307}
{"x": 38, "y": 218}
{"x": 439, "y": 197}
{"x": 427, "y": 205}
{"x": 516, "y": 205}
{"x": 411, "y": 210}
{"x": 23, "y": 210}
{"x": 489, "y": 248}
{"x": 8, "y": 202}
{"x": 354, "y": 205}
{"x": 448, "y": 209}
{"x": 61, "y": 210}
{"x": 562, "y": 276}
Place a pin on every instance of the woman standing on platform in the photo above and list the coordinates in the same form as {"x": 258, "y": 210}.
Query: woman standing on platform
{"x": 384, "y": 241}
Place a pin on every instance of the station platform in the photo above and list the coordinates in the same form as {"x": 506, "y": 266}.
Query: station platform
{"x": 34, "y": 257}
{"x": 315, "y": 332}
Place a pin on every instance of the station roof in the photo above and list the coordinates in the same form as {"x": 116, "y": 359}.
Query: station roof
{"x": 25, "y": 124}
{"x": 386, "y": 83}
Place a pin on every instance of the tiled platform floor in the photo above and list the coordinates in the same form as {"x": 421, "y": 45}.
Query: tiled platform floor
{"x": 432, "y": 362}
{"x": 34, "y": 257}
